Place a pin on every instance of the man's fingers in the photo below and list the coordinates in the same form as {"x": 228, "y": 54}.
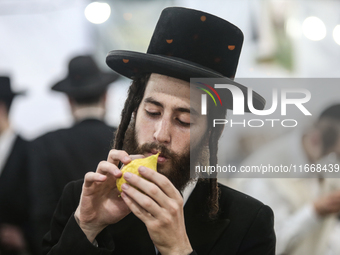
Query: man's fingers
{"x": 136, "y": 156}
{"x": 149, "y": 188}
{"x": 105, "y": 167}
{"x": 133, "y": 157}
{"x": 148, "y": 203}
{"x": 92, "y": 177}
{"x": 161, "y": 181}
{"x": 116, "y": 156}
{"x": 135, "y": 208}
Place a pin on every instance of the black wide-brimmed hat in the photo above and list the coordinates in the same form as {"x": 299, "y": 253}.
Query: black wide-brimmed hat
{"x": 84, "y": 79}
{"x": 5, "y": 88}
{"x": 188, "y": 44}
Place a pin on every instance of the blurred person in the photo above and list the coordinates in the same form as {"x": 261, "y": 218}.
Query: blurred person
{"x": 170, "y": 212}
{"x": 64, "y": 155}
{"x": 14, "y": 200}
{"x": 305, "y": 208}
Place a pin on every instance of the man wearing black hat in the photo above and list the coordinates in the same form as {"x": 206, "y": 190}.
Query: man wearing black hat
{"x": 306, "y": 209}
{"x": 175, "y": 213}
{"x": 65, "y": 155}
{"x": 14, "y": 202}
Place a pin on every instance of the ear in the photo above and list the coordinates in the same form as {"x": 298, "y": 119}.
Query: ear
{"x": 315, "y": 137}
{"x": 104, "y": 96}
{"x": 3, "y": 115}
{"x": 2, "y": 108}
{"x": 313, "y": 145}
{"x": 70, "y": 100}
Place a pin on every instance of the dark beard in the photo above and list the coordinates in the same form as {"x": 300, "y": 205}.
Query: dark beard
{"x": 179, "y": 172}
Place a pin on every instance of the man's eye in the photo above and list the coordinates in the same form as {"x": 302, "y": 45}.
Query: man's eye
{"x": 152, "y": 113}
{"x": 185, "y": 124}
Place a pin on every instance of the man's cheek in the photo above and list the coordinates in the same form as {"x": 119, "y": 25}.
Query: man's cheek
{"x": 143, "y": 135}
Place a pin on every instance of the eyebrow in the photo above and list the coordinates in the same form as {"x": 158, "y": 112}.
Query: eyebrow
{"x": 151, "y": 100}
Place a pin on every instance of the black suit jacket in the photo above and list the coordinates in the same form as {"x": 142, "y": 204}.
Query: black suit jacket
{"x": 59, "y": 157}
{"x": 14, "y": 196}
{"x": 244, "y": 227}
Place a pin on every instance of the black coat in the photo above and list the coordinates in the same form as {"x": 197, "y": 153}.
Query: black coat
{"x": 244, "y": 227}
{"x": 14, "y": 196}
{"x": 59, "y": 157}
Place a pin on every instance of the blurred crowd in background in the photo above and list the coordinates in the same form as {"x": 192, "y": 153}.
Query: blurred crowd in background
{"x": 47, "y": 47}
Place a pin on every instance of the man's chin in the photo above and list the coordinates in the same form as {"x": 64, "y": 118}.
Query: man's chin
{"x": 164, "y": 168}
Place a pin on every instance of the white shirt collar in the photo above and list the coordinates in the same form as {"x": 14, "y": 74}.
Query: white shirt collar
{"x": 186, "y": 194}
{"x": 188, "y": 190}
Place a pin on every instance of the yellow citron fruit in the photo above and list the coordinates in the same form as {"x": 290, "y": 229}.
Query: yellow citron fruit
{"x": 132, "y": 167}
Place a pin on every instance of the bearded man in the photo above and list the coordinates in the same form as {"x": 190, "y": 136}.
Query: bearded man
{"x": 166, "y": 212}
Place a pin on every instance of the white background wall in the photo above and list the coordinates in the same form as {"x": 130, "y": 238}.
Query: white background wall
{"x": 38, "y": 37}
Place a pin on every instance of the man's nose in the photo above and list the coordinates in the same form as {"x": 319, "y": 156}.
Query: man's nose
{"x": 162, "y": 131}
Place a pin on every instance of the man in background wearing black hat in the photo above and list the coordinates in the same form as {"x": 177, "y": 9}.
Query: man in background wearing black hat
{"x": 65, "y": 155}
{"x": 170, "y": 212}
{"x": 306, "y": 209}
{"x": 14, "y": 202}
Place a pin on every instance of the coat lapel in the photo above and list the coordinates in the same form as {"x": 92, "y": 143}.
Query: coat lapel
{"x": 202, "y": 231}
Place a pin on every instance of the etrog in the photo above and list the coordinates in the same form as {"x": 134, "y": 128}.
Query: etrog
{"x": 132, "y": 167}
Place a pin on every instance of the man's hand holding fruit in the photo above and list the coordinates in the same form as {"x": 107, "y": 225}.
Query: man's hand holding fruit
{"x": 148, "y": 194}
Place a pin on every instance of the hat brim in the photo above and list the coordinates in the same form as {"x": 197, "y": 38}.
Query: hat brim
{"x": 94, "y": 86}
{"x": 134, "y": 64}
{"x": 11, "y": 95}
{"x": 19, "y": 93}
